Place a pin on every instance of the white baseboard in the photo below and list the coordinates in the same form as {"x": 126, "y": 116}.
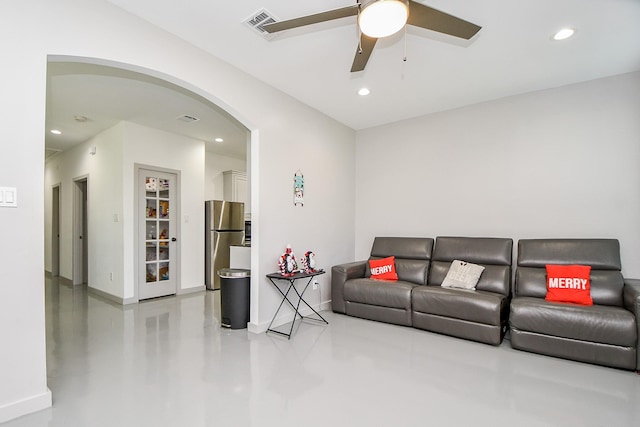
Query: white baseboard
{"x": 25, "y": 406}
{"x": 129, "y": 301}
{"x": 283, "y": 318}
{"x": 111, "y": 297}
{"x": 255, "y": 328}
{"x": 191, "y": 290}
{"x": 64, "y": 281}
{"x": 134, "y": 300}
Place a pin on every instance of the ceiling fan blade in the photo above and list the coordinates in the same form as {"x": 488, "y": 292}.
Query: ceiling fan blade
{"x": 432, "y": 19}
{"x": 362, "y": 56}
{"x": 312, "y": 19}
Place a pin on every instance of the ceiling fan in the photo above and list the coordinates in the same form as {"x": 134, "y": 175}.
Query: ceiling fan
{"x": 382, "y": 18}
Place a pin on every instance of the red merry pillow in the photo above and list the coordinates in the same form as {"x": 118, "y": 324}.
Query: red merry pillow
{"x": 383, "y": 269}
{"x": 569, "y": 283}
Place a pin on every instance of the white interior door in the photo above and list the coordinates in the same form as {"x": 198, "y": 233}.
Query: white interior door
{"x": 157, "y": 235}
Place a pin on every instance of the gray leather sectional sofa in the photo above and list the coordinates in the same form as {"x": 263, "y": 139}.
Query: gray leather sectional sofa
{"x": 605, "y": 333}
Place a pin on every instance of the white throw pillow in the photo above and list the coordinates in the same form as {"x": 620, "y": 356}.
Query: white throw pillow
{"x": 463, "y": 275}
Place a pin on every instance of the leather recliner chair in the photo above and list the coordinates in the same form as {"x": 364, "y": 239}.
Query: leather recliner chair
{"x": 605, "y": 333}
{"x": 480, "y": 314}
{"x": 354, "y": 293}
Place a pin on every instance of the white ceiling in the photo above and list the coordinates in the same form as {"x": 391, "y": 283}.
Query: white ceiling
{"x": 513, "y": 53}
{"x": 107, "y": 96}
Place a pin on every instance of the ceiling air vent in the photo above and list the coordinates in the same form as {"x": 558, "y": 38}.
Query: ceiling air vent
{"x": 187, "y": 118}
{"x": 258, "y": 20}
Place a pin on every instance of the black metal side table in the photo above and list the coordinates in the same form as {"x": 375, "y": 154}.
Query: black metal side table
{"x": 273, "y": 277}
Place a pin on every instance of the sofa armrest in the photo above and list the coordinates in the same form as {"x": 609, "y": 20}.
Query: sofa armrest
{"x": 632, "y": 295}
{"x": 339, "y": 275}
{"x": 632, "y": 303}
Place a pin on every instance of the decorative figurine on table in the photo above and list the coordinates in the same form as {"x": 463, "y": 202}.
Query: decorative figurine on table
{"x": 287, "y": 263}
{"x": 309, "y": 262}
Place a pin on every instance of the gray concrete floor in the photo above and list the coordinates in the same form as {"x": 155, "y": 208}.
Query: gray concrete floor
{"x": 167, "y": 362}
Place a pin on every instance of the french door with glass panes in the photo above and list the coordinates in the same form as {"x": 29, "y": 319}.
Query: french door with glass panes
{"x": 157, "y": 241}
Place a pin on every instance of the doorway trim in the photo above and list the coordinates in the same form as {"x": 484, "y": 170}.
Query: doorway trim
{"x": 55, "y": 229}
{"x": 254, "y": 131}
{"x": 80, "y": 246}
{"x": 136, "y": 227}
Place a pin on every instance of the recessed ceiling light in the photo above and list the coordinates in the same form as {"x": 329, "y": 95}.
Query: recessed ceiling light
{"x": 564, "y": 33}
{"x": 80, "y": 119}
{"x": 56, "y": 132}
{"x": 219, "y": 140}
{"x": 364, "y": 91}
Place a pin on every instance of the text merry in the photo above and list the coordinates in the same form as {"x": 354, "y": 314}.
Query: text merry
{"x": 567, "y": 283}
{"x": 381, "y": 270}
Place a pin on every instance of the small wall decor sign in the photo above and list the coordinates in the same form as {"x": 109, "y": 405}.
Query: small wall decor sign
{"x": 298, "y": 188}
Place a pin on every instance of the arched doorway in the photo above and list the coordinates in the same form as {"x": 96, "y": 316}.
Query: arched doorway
{"x": 84, "y": 127}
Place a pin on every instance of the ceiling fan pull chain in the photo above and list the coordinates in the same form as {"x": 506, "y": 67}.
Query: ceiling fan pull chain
{"x": 405, "y": 44}
{"x": 359, "y": 33}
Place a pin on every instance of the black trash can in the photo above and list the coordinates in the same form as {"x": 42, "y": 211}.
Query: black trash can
{"x": 235, "y": 293}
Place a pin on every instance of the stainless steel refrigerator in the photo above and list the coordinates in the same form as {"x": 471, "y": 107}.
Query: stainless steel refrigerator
{"x": 224, "y": 227}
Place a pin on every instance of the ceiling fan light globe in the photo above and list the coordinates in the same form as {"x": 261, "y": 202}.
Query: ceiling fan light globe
{"x": 383, "y": 18}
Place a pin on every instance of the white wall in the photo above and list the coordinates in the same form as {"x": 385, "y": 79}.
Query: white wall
{"x": 215, "y": 164}
{"x": 111, "y": 177}
{"x": 324, "y": 224}
{"x": 103, "y": 172}
{"x": 555, "y": 163}
{"x": 286, "y": 135}
{"x": 22, "y": 106}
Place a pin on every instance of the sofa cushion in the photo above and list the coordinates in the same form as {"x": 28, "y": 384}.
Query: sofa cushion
{"x": 569, "y": 283}
{"x": 480, "y": 250}
{"x": 475, "y": 306}
{"x": 463, "y": 275}
{"x": 492, "y": 253}
{"x": 402, "y": 247}
{"x": 606, "y": 285}
{"x": 383, "y": 269}
{"x": 378, "y": 292}
{"x": 412, "y": 256}
{"x": 603, "y": 255}
{"x": 494, "y": 278}
{"x": 597, "y": 323}
{"x": 600, "y": 254}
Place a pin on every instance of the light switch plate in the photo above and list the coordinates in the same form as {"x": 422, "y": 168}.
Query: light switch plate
{"x": 8, "y": 197}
